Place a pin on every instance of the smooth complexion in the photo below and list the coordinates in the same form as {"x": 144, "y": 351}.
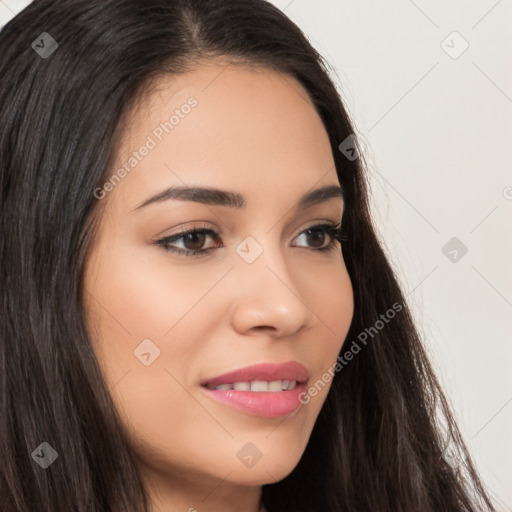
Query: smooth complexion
{"x": 253, "y": 132}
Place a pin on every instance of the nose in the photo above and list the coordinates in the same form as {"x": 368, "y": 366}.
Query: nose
{"x": 267, "y": 298}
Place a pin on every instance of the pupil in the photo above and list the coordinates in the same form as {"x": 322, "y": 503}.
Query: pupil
{"x": 192, "y": 237}
{"x": 318, "y": 232}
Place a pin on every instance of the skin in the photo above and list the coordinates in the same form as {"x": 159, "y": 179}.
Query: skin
{"x": 254, "y": 132}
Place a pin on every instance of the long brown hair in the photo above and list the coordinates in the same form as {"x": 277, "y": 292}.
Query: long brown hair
{"x": 379, "y": 443}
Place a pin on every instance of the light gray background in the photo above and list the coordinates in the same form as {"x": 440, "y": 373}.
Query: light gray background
{"x": 437, "y": 135}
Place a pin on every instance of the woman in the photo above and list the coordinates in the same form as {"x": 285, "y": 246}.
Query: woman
{"x": 196, "y": 311}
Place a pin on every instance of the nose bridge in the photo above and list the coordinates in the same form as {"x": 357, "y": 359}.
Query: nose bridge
{"x": 267, "y": 295}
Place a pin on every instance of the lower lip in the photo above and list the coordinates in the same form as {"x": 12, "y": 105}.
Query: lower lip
{"x": 267, "y": 404}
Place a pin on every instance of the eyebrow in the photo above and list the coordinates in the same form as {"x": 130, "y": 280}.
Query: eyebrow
{"x": 214, "y": 196}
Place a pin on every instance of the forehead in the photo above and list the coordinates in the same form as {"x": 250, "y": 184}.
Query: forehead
{"x": 225, "y": 126}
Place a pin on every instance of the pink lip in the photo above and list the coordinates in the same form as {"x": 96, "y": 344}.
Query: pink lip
{"x": 267, "y": 404}
{"x": 264, "y": 371}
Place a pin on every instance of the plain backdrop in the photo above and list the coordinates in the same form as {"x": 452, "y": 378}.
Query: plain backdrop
{"x": 429, "y": 87}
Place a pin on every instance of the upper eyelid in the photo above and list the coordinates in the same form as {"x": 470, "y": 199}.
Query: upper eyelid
{"x": 213, "y": 231}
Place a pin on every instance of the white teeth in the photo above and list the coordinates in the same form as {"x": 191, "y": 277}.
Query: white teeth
{"x": 275, "y": 385}
{"x": 258, "y": 386}
{"x": 242, "y": 386}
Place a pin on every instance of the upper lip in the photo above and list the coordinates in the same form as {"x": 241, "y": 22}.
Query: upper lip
{"x": 264, "y": 371}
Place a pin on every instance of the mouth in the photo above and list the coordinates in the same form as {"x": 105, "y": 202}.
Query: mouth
{"x": 267, "y": 390}
{"x": 257, "y": 386}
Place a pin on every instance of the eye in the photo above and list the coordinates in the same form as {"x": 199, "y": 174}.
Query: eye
{"x": 319, "y": 233}
{"x": 193, "y": 240}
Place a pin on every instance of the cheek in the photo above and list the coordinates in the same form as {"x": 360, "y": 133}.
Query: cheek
{"x": 155, "y": 408}
{"x": 129, "y": 302}
{"x": 331, "y": 300}
{"x": 144, "y": 326}
{"x": 338, "y": 302}
{"x": 125, "y": 304}
{"x": 137, "y": 297}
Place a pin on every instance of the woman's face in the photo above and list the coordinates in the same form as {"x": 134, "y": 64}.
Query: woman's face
{"x": 259, "y": 291}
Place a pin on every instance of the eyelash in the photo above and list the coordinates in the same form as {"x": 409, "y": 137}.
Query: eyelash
{"x": 333, "y": 230}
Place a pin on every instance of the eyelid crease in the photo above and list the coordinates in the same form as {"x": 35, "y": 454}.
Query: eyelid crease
{"x": 183, "y": 231}
{"x": 207, "y": 227}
